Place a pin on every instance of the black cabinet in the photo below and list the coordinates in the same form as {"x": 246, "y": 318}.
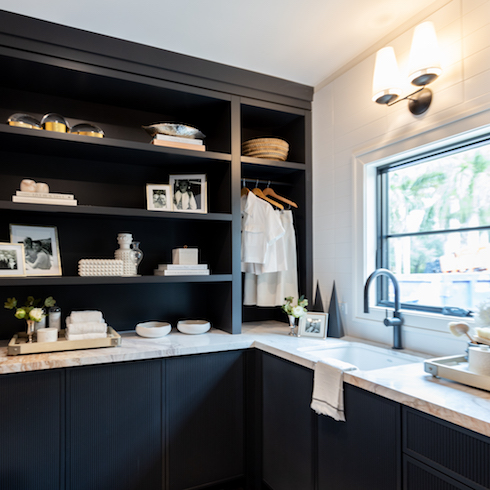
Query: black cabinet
{"x": 418, "y": 476}
{"x": 444, "y": 448}
{"x": 115, "y": 426}
{"x": 362, "y": 453}
{"x": 205, "y": 419}
{"x": 288, "y": 425}
{"x": 31, "y": 431}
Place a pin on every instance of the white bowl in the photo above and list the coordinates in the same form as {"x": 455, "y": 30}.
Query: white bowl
{"x": 153, "y": 329}
{"x": 193, "y": 327}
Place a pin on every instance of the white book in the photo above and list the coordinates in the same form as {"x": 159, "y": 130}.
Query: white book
{"x": 44, "y": 200}
{"x": 178, "y": 139}
{"x": 162, "y": 267}
{"x": 188, "y": 272}
{"x": 48, "y": 195}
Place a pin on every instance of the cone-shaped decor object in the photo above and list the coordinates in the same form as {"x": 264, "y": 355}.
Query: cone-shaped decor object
{"x": 335, "y": 328}
{"x": 318, "y": 304}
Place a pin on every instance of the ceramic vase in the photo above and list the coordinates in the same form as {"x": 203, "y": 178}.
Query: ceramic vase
{"x": 125, "y": 253}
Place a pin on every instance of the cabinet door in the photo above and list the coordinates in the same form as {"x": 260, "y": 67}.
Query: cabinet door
{"x": 114, "y": 427}
{"x": 452, "y": 450}
{"x": 418, "y": 476}
{"x": 31, "y": 431}
{"x": 205, "y": 419}
{"x": 288, "y": 425}
{"x": 362, "y": 453}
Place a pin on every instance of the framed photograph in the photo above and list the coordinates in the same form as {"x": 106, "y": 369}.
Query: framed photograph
{"x": 158, "y": 197}
{"x": 41, "y": 249}
{"x": 313, "y": 325}
{"x": 12, "y": 260}
{"x": 189, "y": 193}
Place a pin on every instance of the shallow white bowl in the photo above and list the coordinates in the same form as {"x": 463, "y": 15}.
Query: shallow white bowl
{"x": 153, "y": 329}
{"x": 193, "y": 327}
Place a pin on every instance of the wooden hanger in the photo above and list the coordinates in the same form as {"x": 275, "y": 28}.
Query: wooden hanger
{"x": 258, "y": 192}
{"x": 268, "y": 191}
{"x": 245, "y": 190}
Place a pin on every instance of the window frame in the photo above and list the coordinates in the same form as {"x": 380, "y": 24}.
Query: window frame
{"x": 382, "y": 228}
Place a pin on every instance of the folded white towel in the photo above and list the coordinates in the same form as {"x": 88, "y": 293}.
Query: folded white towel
{"x": 89, "y": 327}
{"x": 328, "y": 389}
{"x": 86, "y": 316}
{"x": 83, "y": 336}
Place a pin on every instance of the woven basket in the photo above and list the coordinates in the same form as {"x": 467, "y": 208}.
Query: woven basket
{"x": 268, "y": 148}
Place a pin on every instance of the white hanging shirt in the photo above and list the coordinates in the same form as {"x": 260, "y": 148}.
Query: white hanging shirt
{"x": 261, "y": 228}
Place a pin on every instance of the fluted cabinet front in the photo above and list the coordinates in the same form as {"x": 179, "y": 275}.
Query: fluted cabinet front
{"x": 115, "y": 427}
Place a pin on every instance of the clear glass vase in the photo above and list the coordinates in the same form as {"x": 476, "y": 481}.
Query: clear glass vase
{"x": 136, "y": 255}
{"x": 293, "y": 326}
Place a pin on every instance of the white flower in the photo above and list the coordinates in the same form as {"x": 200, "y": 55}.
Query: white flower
{"x": 482, "y": 316}
{"x": 36, "y": 314}
{"x": 298, "y": 311}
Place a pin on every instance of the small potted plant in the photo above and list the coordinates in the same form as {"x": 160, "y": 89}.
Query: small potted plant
{"x": 32, "y": 311}
{"x": 294, "y": 312}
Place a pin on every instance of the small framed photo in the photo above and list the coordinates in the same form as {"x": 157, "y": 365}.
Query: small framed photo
{"x": 12, "y": 260}
{"x": 41, "y": 249}
{"x": 313, "y": 325}
{"x": 158, "y": 197}
{"x": 189, "y": 193}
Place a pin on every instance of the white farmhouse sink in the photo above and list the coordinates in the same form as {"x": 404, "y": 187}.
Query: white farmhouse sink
{"x": 365, "y": 357}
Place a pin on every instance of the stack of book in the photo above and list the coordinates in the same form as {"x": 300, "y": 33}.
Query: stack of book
{"x": 45, "y": 198}
{"x": 182, "y": 270}
{"x": 178, "y": 142}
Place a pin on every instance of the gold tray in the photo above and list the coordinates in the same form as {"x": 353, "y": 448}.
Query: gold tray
{"x": 456, "y": 368}
{"x": 19, "y": 345}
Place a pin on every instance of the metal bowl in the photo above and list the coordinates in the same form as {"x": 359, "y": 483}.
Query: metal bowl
{"x": 174, "y": 129}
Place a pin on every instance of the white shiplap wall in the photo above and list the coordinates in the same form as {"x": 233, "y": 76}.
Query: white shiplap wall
{"x": 347, "y": 124}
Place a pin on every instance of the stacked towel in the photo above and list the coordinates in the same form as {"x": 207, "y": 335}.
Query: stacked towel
{"x": 328, "y": 390}
{"x": 88, "y": 324}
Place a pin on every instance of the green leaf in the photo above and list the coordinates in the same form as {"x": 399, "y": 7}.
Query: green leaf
{"x": 49, "y": 301}
{"x": 10, "y": 304}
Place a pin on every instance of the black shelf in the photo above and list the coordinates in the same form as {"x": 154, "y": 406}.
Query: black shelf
{"x": 272, "y": 163}
{"x": 113, "y": 211}
{"x": 68, "y": 145}
{"x": 110, "y": 280}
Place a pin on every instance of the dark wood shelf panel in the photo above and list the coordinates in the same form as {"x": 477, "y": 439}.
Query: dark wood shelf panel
{"x": 102, "y": 149}
{"x": 272, "y": 163}
{"x": 112, "y": 211}
{"x": 110, "y": 280}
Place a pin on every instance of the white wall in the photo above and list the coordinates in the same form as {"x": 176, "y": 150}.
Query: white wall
{"x": 347, "y": 124}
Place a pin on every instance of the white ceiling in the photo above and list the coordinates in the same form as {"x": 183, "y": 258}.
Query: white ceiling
{"x": 304, "y": 41}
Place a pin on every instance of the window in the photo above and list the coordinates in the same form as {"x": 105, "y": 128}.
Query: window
{"x": 433, "y": 229}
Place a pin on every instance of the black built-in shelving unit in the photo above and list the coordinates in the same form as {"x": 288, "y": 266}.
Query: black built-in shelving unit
{"x": 122, "y": 86}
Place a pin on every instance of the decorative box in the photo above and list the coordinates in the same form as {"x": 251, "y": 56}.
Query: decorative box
{"x": 185, "y": 256}
{"x": 100, "y": 267}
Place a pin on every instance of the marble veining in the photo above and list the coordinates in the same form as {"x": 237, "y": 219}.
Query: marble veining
{"x": 407, "y": 384}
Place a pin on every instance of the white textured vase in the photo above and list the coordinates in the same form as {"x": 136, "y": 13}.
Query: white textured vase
{"x": 124, "y": 253}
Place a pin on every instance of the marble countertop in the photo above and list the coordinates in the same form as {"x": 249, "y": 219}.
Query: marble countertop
{"x": 407, "y": 384}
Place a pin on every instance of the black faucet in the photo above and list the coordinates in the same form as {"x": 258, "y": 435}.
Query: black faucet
{"x": 397, "y": 321}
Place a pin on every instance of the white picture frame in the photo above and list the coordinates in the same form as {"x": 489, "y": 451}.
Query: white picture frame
{"x": 313, "y": 325}
{"x": 159, "y": 197}
{"x": 193, "y": 198}
{"x": 12, "y": 260}
{"x": 41, "y": 248}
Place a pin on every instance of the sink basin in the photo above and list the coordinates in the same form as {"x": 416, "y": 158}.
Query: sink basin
{"x": 364, "y": 357}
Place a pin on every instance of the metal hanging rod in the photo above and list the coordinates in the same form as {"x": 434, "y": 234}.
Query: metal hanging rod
{"x": 265, "y": 182}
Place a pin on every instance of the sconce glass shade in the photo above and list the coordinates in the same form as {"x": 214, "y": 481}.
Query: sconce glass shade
{"x": 386, "y": 79}
{"x": 424, "y": 64}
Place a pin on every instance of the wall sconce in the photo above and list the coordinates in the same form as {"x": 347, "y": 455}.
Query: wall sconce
{"x": 424, "y": 68}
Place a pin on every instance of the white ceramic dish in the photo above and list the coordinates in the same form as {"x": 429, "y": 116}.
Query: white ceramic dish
{"x": 153, "y": 329}
{"x": 193, "y": 327}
